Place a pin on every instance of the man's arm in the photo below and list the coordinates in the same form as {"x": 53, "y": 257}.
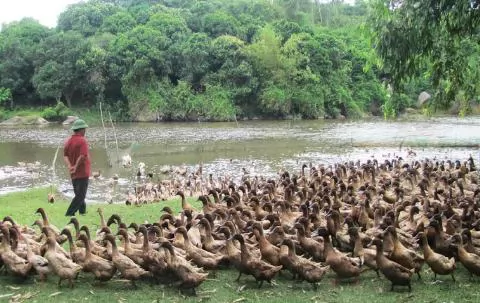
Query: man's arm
{"x": 67, "y": 162}
{"x": 80, "y": 160}
{"x": 83, "y": 156}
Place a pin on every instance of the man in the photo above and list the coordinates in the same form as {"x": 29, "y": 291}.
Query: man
{"x": 75, "y": 154}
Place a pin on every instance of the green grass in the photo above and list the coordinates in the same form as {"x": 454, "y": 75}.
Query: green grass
{"x": 91, "y": 115}
{"x": 221, "y": 286}
{"x": 24, "y": 112}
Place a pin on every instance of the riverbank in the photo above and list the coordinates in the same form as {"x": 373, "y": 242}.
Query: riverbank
{"x": 92, "y": 115}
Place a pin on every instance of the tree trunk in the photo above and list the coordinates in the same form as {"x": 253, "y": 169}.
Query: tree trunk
{"x": 68, "y": 98}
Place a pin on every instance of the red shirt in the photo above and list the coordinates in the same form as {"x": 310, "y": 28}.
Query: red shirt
{"x": 75, "y": 146}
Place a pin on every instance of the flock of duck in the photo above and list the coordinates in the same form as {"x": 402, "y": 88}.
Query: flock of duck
{"x": 394, "y": 217}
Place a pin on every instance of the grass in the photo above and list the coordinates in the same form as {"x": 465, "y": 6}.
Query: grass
{"x": 24, "y": 112}
{"x": 90, "y": 115}
{"x": 221, "y": 286}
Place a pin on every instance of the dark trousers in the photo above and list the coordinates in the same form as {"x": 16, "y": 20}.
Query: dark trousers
{"x": 80, "y": 187}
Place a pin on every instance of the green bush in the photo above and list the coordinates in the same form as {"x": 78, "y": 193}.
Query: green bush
{"x": 57, "y": 113}
{"x": 49, "y": 113}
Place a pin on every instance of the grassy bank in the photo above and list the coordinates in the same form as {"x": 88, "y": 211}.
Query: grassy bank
{"x": 90, "y": 115}
{"x": 221, "y": 286}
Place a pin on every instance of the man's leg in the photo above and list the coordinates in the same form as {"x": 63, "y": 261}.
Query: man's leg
{"x": 83, "y": 193}
{"x": 74, "y": 205}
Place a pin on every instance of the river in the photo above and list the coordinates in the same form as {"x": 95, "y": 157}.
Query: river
{"x": 259, "y": 147}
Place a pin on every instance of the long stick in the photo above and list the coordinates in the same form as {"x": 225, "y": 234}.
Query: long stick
{"x": 114, "y": 135}
{"x": 53, "y": 169}
{"x": 55, "y": 159}
{"x": 105, "y": 134}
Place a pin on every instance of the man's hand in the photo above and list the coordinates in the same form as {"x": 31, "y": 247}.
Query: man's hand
{"x": 72, "y": 169}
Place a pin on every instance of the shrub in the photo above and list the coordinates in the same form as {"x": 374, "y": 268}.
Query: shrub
{"x": 57, "y": 113}
{"x": 49, "y": 113}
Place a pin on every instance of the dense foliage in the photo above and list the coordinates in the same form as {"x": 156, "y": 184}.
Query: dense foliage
{"x": 208, "y": 60}
{"x": 435, "y": 42}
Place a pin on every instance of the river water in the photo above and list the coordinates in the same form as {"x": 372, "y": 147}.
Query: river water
{"x": 259, "y": 147}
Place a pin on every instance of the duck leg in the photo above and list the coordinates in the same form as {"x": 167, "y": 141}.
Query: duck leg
{"x": 134, "y": 285}
{"x": 261, "y": 283}
{"x": 453, "y": 277}
{"x": 238, "y": 278}
{"x": 409, "y": 287}
{"x": 59, "y": 282}
{"x": 391, "y": 289}
{"x": 418, "y": 274}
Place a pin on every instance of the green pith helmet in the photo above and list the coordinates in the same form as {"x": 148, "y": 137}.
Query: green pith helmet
{"x": 78, "y": 124}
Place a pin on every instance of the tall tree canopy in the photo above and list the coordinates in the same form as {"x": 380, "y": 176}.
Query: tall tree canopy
{"x": 229, "y": 59}
{"x": 436, "y": 39}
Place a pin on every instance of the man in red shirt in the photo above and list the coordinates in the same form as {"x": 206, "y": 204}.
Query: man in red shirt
{"x": 75, "y": 154}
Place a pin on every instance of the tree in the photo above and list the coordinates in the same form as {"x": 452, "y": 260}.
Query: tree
{"x": 221, "y": 23}
{"x": 67, "y": 65}
{"x": 5, "y": 95}
{"x": 85, "y": 17}
{"x": 119, "y": 22}
{"x": 18, "y": 44}
{"x": 196, "y": 59}
{"x": 435, "y": 37}
{"x": 232, "y": 70}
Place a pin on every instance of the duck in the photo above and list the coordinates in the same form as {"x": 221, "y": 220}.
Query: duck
{"x": 439, "y": 264}
{"x": 469, "y": 260}
{"x": 154, "y": 261}
{"x": 77, "y": 254}
{"x": 367, "y": 256}
{"x": 341, "y": 264}
{"x": 99, "y": 234}
{"x": 189, "y": 276}
{"x": 260, "y": 270}
{"x": 441, "y": 244}
{"x": 15, "y": 264}
{"x": 24, "y": 230}
{"x": 95, "y": 248}
{"x": 198, "y": 255}
{"x": 231, "y": 251}
{"x": 39, "y": 263}
{"x": 314, "y": 248}
{"x": 127, "y": 267}
{"x": 303, "y": 268}
{"x": 133, "y": 253}
{"x": 469, "y": 247}
{"x": 46, "y": 222}
{"x": 185, "y": 204}
{"x": 209, "y": 243}
{"x": 102, "y": 269}
{"x": 394, "y": 272}
{"x": 60, "y": 265}
{"x": 405, "y": 257}
{"x": 269, "y": 252}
